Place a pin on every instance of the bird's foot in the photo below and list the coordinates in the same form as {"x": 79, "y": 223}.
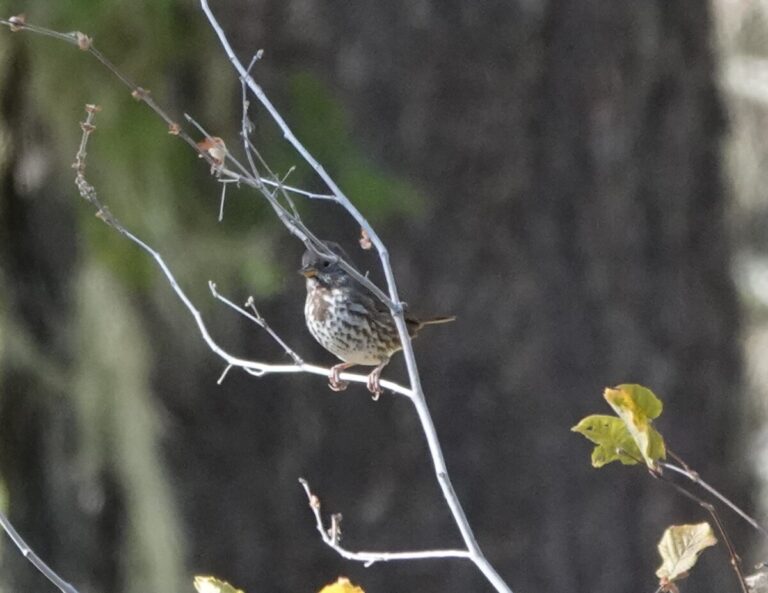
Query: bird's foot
{"x": 373, "y": 383}
{"x": 334, "y": 381}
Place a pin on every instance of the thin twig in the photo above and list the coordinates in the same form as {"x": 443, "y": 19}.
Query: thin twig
{"x": 331, "y": 539}
{"x": 85, "y": 43}
{"x": 33, "y": 558}
{"x": 295, "y": 190}
{"x": 257, "y": 318}
{"x": 224, "y": 374}
{"x": 246, "y": 125}
{"x": 222, "y": 200}
{"x": 696, "y": 479}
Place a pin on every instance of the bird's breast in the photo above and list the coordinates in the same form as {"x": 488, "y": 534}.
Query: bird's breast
{"x": 341, "y": 329}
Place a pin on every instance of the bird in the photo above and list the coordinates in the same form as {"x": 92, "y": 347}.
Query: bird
{"x": 348, "y": 321}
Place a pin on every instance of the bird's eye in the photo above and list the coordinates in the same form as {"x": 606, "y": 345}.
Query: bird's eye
{"x": 326, "y": 263}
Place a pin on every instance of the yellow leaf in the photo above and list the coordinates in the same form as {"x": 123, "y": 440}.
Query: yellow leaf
{"x": 342, "y": 585}
{"x": 612, "y": 439}
{"x": 637, "y": 406}
{"x": 680, "y": 547}
{"x": 213, "y": 585}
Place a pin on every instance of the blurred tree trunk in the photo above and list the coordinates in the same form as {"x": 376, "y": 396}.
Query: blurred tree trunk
{"x": 577, "y": 230}
{"x": 575, "y": 226}
{"x": 79, "y": 440}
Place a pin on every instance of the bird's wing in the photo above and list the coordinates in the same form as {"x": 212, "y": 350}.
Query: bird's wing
{"x": 368, "y": 306}
{"x": 357, "y": 308}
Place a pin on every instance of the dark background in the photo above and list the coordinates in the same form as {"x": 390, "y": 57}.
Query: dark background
{"x": 549, "y": 172}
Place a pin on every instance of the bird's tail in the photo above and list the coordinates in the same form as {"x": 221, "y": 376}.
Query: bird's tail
{"x": 436, "y": 320}
{"x": 415, "y": 325}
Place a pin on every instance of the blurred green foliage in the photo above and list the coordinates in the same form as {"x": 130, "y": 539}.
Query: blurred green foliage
{"x": 151, "y": 181}
{"x": 321, "y": 125}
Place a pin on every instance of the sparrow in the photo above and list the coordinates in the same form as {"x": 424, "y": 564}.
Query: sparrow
{"x": 348, "y": 321}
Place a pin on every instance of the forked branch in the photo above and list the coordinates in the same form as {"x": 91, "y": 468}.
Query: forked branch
{"x": 332, "y": 537}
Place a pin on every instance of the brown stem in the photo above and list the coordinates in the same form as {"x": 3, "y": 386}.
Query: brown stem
{"x": 694, "y": 477}
{"x": 735, "y": 560}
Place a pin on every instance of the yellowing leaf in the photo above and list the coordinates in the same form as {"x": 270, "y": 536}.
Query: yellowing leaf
{"x": 342, "y": 585}
{"x": 680, "y": 547}
{"x": 213, "y": 585}
{"x": 610, "y": 434}
{"x": 637, "y": 406}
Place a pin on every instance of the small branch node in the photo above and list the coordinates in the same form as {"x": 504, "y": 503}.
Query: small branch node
{"x": 17, "y": 23}
{"x": 105, "y": 215}
{"x": 250, "y": 303}
{"x": 84, "y": 42}
{"x": 365, "y": 240}
{"x": 215, "y": 147}
{"x": 140, "y": 94}
{"x": 335, "y": 531}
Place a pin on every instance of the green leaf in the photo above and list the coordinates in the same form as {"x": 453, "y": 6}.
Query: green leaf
{"x": 213, "y": 585}
{"x": 680, "y": 547}
{"x": 637, "y": 406}
{"x": 610, "y": 434}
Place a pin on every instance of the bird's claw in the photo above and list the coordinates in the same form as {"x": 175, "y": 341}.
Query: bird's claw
{"x": 334, "y": 381}
{"x": 373, "y": 384}
{"x": 338, "y": 385}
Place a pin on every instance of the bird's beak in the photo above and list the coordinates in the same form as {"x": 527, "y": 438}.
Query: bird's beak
{"x": 308, "y": 271}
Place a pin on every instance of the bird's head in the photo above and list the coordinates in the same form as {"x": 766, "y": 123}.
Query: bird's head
{"x": 324, "y": 270}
